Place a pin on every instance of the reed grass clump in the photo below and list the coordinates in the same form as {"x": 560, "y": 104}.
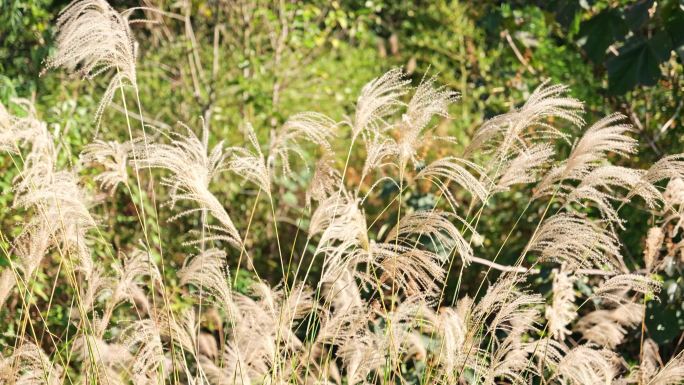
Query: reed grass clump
{"x": 362, "y": 298}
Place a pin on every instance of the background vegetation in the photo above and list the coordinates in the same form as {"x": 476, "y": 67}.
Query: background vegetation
{"x": 231, "y": 62}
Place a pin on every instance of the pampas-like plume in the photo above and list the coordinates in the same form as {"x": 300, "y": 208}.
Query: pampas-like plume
{"x": 207, "y": 271}
{"x": 363, "y": 354}
{"x": 562, "y": 310}
{"x": 379, "y": 99}
{"x": 127, "y": 283}
{"x": 654, "y": 241}
{"x": 251, "y": 165}
{"x": 671, "y": 166}
{"x": 510, "y": 133}
{"x": 436, "y": 226}
{"x": 113, "y": 156}
{"x": 325, "y": 180}
{"x": 406, "y": 268}
{"x": 378, "y": 149}
{"x": 603, "y": 137}
{"x": 671, "y": 373}
{"x": 674, "y": 192}
{"x": 61, "y": 207}
{"x": 343, "y": 294}
{"x": 447, "y": 170}
{"x": 451, "y": 327}
{"x": 310, "y": 126}
{"x": 586, "y": 366}
{"x": 577, "y": 242}
{"x": 338, "y": 218}
{"x": 93, "y": 38}
{"x": 16, "y": 130}
{"x": 29, "y": 365}
{"x": 373, "y": 316}
{"x": 524, "y": 167}
{"x": 607, "y": 327}
{"x": 598, "y": 187}
{"x": 427, "y": 101}
{"x": 193, "y": 166}
{"x": 611, "y": 290}
{"x": 143, "y": 338}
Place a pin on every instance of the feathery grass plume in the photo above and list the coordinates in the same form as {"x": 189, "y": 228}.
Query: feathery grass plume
{"x": 16, "y": 130}
{"x": 650, "y": 360}
{"x": 447, "y": 170}
{"x": 516, "y": 317}
{"x": 113, "y": 156}
{"x": 380, "y": 98}
{"x": 600, "y": 184}
{"x": 142, "y": 338}
{"x": 436, "y": 226}
{"x": 102, "y": 360}
{"x": 60, "y": 205}
{"x": 235, "y": 370}
{"x": 340, "y": 326}
{"x": 207, "y": 271}
{"x": 343, "y": 293}
{"x": 373, "y": 316}
{"x": 612, "y": 289}
{"x": 654, "y": 241}
{"x": 403, "y": 323}
{"x": 325, "y": 180}
{"x": 254, "y": 347}
{"x": 674, "y": 192}
{"x": 363, "y": 354}
{"x": 451, "y": 327}
{"x": 180, "y": 329}
{"x": 547, "y": 353}
{"x": 603, "y": 137}
{"x": 251, "y": 165}
{"x": 261, "y": 333}
{"x": 562, "y": 310}
{"x": 29, "y": 365}
{"x": 668, "y": 167}
{"x": 378, "y": 150}
{"x": 7, "y": 282}
{"x": 524, "y": 168}
{"x": 403, "y": 268}
{"x": 427, "y": 101}
{"x": 587, "y": 366}
{"x": 283, "y": 310}
{"x": 511, "y": 132}
{"x": 339, "y": 218}
{"x": 310, "y": 126}
{"x": 607, "y": 328}
{"x": 99, "y": 286}
{"x": 207, "y": 346}
{"x": 127, "y": 285}
{"x": 509, "y": 362}
{"x": 516, "y": 314}
{"x": 671, "y": 373}
{"x": 93, "y": 38}
{"x": 193, "y": 165}
{"x": 578, "y": 242}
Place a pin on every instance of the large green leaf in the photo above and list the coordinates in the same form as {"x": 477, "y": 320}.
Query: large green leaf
{"x": 638, "y": 62}
{"x": 637, "y": 14}
{"x": 674, "y": 25}
{"x": 601, "y": 31}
